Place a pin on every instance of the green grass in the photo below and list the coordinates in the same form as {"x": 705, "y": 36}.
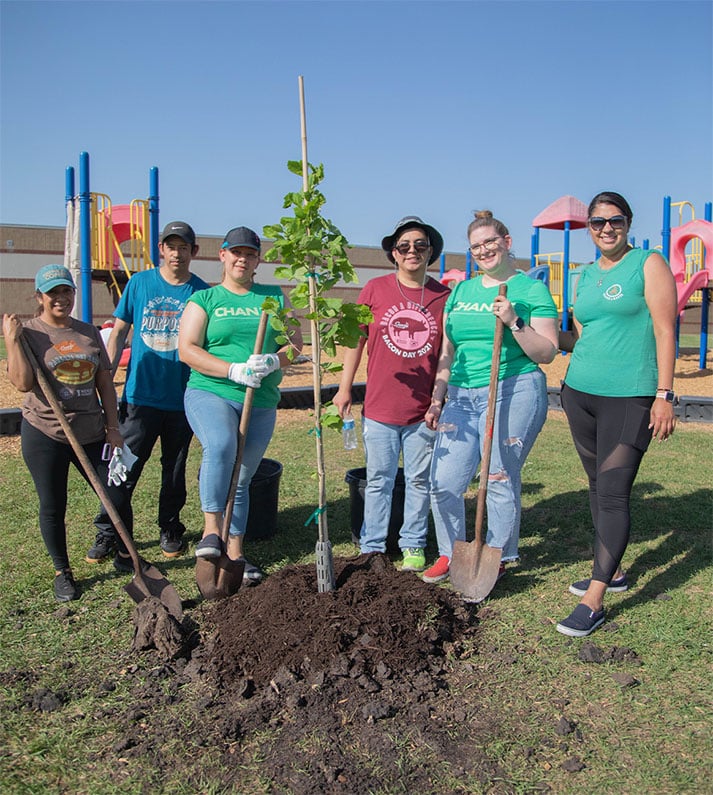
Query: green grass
{"x": 654, "y": 737}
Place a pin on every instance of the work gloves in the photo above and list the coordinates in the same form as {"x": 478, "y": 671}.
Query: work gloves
{"x": 120, "y": 463}
{"x": 252, "y": 372}
{"x": 263, "y": 364}
{"x": 240, "y": 373}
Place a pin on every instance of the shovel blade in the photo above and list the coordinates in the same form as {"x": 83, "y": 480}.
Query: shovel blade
{"x": 474, "y": 569}
{"x": 153, "y": 583}
{"x": 219, "y": 578}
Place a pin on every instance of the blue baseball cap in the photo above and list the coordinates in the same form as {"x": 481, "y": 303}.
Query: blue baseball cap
{"x": 51, "y": 276}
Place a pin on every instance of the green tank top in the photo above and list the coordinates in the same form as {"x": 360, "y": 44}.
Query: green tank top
{"x": 616, "y": 353}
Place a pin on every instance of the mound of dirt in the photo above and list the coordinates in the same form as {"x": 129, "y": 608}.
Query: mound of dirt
{"x": 326, "y": 680}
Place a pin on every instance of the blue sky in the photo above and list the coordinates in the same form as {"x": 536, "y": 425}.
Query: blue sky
{"x": 432, "y": 108}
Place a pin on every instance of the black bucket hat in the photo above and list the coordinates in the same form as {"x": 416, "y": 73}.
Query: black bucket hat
{"x": 411, "y": 222}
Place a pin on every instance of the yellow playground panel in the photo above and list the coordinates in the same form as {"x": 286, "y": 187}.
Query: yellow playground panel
{"x": 554, "y": 260}
{"x": 112, "y": 226}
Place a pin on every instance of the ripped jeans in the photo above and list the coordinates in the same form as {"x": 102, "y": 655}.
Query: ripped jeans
{"x": 520, "y": 413}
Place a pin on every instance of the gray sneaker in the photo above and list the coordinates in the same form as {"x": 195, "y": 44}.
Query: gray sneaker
{"x": 103, "y": 547}
{"x": 172, "y": 543}
{"x": 65, "y": 589}
{"x": 251, "y": 574}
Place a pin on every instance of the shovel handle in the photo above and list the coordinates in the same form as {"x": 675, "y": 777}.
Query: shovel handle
{"x": 242, "y": 433}
{"x": 79, "y": 451}
{"x": 489, "y": 424}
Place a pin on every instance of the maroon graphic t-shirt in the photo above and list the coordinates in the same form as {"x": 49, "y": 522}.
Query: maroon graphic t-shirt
{"x": 403, "y": 344}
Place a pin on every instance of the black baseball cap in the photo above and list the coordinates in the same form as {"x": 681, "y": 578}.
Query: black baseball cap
{"x": 180, "y": 229}
{"x": 241, "y": 236}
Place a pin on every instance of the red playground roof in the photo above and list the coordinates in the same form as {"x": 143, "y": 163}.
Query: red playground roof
{"x": 567, "y": 208}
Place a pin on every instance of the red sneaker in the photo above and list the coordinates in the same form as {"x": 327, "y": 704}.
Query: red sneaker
{"x": 439, "y": 570}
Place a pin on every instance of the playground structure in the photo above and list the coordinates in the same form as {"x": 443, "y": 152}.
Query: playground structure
{"x": 692, "y": 270}
{"x": 107, "y": 242}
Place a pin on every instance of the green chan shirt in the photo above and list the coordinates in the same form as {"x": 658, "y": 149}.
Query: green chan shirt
{"x": 230, "y": 335}
{"x": 615, "y": 355}
{"x": 470, "y": 326}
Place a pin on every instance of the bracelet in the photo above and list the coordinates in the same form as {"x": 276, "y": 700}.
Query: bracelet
{"x": 664, "y": 388}
{"x": 112, "y": 427}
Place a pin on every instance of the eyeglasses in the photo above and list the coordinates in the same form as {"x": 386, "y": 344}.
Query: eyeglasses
{"x": 616, "y": 222}
{"x": 487, "y": 245}
{"x": 419, "y": 246}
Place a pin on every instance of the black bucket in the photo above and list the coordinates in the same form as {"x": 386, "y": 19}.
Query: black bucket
{"x": 356, "y": 478}
{"x": 264, "y": 493}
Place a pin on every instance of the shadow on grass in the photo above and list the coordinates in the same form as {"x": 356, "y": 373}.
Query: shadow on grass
{"x": 677, "y": 530}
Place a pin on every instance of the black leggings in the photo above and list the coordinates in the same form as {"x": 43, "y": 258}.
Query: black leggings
{"x": 48, "y": 461}
{"x": 611, "y": 435}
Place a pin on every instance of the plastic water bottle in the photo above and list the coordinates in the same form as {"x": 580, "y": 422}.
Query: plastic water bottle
{"x": 349, "y": 435}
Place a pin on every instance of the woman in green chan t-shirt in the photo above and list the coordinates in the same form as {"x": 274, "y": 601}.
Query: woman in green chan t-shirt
{"x": 216, "y": 339}
{"x": 618, "y": 391}
{"x": 530, "y": 338}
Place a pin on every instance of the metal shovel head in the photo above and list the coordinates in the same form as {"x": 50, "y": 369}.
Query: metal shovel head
{"x": 219, "y": 578}
{"x": 153, "y": 583}
{"x": 474, "y": 569}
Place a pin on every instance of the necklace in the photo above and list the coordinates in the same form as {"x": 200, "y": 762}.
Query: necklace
{"x": 420, "y": 306}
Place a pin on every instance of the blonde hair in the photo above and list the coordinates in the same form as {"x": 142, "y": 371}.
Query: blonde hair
{"x": 485, "y": 218}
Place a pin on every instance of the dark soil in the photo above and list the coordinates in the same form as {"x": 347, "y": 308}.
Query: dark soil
{"x": 380, "y": 686}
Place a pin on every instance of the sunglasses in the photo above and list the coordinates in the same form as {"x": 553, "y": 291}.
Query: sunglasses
{"x": 419, "y": 246}
{"x": 616, "y": 222}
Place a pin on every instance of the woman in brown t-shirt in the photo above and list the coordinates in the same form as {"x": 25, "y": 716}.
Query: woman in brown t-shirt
{"x": 73, "y": 358}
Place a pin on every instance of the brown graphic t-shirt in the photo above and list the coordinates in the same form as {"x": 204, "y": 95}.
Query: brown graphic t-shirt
{"x": 70, "y": 358}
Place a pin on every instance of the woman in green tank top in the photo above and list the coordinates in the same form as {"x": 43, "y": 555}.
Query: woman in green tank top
{"x": 618, "y": 391}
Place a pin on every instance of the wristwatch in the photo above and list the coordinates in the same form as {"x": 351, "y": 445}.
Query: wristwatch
{"x": 665, "y": 394}
{"x": 518, "y": 325}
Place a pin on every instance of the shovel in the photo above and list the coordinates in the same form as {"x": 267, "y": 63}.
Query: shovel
{"x": 474, "y": 566}
{"x": 218, "y": 578}
{"x": 147, "y": 580}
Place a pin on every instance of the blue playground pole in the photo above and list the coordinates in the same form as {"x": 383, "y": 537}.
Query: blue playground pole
{"x": 565, "y": 279}
{"x": 534, "y": 247}
{"x": 68, "y": 184}
{"x": 705, "y": 295}
{"x": 85, "y": 207}
{"x": 153, "y": 215}
{"x": 666, "y": 228}
{"x": 443, "y": 264}
{"x": 468, "y": 264}
{"x": 645, "y": 244}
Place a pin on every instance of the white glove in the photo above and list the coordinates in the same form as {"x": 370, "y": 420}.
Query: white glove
{"x": 242, "y": 374}
{"x": 117, "y": 469}
{"x": 264, "y": 363}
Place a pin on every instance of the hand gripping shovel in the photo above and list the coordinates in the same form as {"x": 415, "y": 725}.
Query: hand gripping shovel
{"x": 474, "y": 565}
{"x": 218, "y": 578}
{"x": 147, "y": 580}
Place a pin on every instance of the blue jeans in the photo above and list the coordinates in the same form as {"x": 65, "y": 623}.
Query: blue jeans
{"x": 520, "y": 413}
{"x": 215, "y": 422}
{"x": 383, "y": 444}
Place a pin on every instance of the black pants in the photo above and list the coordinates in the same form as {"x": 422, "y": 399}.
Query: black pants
{"x": 611, "y": 435}
{"x": 141, "y": 427}
{"x": 48, "y": 462}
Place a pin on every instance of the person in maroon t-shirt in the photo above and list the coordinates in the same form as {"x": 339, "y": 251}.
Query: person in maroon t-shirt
{"x": 402, "y": 343}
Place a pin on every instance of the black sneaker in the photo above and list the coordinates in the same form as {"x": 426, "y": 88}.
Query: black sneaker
{"x": 582, "y": 621}
{"x": 65, "y": 589}
{"x": 172, "y": 543}
{"x": 251, "y": 574}
{"x": 103, "y": 548}
{"x": 124, "y": 564}
{"x": 615, "y": 586}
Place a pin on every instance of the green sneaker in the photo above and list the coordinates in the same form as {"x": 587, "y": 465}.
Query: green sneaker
{"x": 414, "y": 560}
